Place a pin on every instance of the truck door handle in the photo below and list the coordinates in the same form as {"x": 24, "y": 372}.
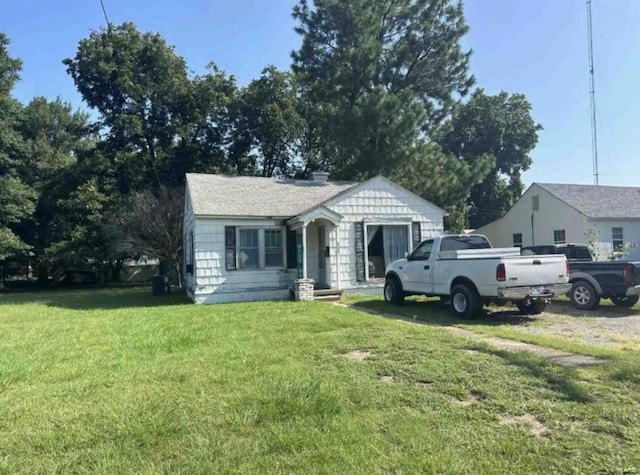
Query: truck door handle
{"x": 537, "y": 263}
{"x": 426, "y": 267}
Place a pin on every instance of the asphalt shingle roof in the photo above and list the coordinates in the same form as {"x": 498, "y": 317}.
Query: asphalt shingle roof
{"x": 598, "y": 201}
{"x": 218, "y": 195}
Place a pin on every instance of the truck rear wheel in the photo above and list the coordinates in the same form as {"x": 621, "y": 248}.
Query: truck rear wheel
{"x": 465, "y": 301}
{"x": 393, "y": 292}
{"x": 626, "y": 301}
{"x": 531, "y": 307}
{"x": 583, "y": 295}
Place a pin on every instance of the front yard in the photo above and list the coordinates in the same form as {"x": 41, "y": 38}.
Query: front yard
{"x": 116, "y": 381}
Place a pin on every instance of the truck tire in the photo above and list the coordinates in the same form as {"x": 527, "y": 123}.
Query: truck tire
{"x": 531, "y": 307}
{"x": 583, "y": 295}
{"x": 465, "y": 301}
{"x": 393, "y": 292}
{"x": 625, "y": 301}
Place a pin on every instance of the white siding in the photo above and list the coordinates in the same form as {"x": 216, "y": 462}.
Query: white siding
{"x": 213, "y": 283}
{"x": 378, "y": 201}
{"x": 630, "y": 233}
{"x": 189, "y": 221}
{"x": 553, "y": 214}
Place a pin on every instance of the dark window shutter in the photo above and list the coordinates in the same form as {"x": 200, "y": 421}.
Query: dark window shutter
{"x": 416, "y": 234}
{"x": 292, "y": 255}
{"x": 230, "y": 247}
{"x": 360, "y": 269}
{"x": 192, "y": 255}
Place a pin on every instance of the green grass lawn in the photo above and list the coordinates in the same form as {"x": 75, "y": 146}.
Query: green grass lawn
{"x": 115, "y": 381}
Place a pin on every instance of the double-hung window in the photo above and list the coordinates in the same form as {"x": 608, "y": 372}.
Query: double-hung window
{"x": 517, "y": 239}
{"x": 273, "y": 255}
{"x": 617, "y": 239}
{"x": 248, "y": 249}
{"x": 559, "y": 236}
{"x": 260, "y": 248}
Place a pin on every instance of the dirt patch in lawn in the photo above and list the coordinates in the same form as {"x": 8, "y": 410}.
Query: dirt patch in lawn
{"x": 537, "y": 428}
{"x": 471, "y": 398}
{"x": 359, "y": 355}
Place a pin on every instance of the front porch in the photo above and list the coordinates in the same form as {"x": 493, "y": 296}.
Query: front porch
{"x": 317, "y": 252}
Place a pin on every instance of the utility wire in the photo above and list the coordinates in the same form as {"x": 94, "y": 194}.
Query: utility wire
{"x": 104, "y": 11}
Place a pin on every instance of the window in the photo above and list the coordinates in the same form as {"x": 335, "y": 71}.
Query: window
{"x": 273, "y": 248}
{"x": 423, "y": 251}
{"x": 517, "y": 240}
{"x": 188, "y": 253}
{"x": 535, "y": 203}
{"x": 258, "y": 248}
{"x": 559, "y": 236}
{"x": 248, "y": 249}
{"x": 617, "y": 239}
{"x": 461, "y": 243}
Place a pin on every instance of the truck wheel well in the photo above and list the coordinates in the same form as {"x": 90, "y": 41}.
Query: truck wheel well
{"x": 463, "y": 281}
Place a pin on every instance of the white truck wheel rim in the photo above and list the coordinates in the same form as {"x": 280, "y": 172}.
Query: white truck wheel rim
{"x": 459, "y": 303}
{"x": 582, "y": 295}
{"x": 388, "y": 292}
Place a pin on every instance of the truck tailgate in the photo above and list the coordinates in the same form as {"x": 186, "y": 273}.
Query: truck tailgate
{"x": 535, "y": 270}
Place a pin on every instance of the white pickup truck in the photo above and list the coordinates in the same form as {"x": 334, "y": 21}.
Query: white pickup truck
{"x": 468, "y": 272}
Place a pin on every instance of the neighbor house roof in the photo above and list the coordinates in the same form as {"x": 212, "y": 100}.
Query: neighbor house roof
{"x": 218, "y": 195}
{"x": 595, "y": 201}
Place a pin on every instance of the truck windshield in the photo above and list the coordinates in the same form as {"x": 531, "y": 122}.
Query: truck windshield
{"x": 460, "y": 243}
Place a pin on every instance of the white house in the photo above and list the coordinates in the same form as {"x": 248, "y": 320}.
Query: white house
{"x": 556, "y": 213}
{"x": 250, "y": 238}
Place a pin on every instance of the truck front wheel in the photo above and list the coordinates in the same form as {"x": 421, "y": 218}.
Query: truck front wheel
{"x": 465, "y": 301}
{"x": 393, "y": 292}
{"x": 531, "y": 307}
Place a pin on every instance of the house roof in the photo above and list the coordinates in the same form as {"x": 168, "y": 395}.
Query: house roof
{"x": 218, "y": 195}
{"x": 595, "y": 201}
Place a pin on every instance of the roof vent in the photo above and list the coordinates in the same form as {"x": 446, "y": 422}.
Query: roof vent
{"x": 319, "y": 176}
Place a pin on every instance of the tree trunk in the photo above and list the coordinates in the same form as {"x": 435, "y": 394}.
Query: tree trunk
{"x": 43, "y": 274}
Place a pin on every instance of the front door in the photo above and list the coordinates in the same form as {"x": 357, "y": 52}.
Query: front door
{"x": 322, "y": 263}
{"x": 417, "y": 270}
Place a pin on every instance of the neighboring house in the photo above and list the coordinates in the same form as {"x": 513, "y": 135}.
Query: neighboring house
{"x": 557, "y": 213}
{"x": 250, "y": 238}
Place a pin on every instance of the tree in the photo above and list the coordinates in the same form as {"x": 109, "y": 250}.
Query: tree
{"x": 443, "y": 179}
{"x": 378, "y": 74}
{"x": 153, "y": 227}
{"x": 54, "y": 136}
{"x": 269, "y": 121}
{"x": 499, "y": 126}
{"x": 135, "y": 81}
{"x": 16, "y": 198}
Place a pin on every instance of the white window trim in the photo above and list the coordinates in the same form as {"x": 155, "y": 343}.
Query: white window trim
{"x": 261, "y": 248}
{"x": 366, "y": 239}
{"x": 614, "y": 240}
{"x": 554, "y": 236}
{"x": 513, "y": 240}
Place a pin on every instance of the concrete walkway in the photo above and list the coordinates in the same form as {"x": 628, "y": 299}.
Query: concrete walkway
{"x": 570, "y": 360}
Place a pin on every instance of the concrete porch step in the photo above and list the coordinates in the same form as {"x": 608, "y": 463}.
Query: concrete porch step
{"x": 327, "y": 295}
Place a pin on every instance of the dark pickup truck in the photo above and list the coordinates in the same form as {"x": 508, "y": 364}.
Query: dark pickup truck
{"x": 591, "y": 281}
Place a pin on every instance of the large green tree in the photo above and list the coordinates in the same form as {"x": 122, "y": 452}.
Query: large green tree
{"x": 53, "y": 135}
{"x": 377, "y": 75}
{"x": 16, "y": 198}
{"x": 157, "y": 121}
{"x": 499, "y": 126}
{"x": 269, "y": 123}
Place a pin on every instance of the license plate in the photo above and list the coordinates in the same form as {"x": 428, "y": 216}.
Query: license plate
{"x": 535, "y": 291}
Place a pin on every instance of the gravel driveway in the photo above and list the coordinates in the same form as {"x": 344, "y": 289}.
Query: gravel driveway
{"x": 604, "y": 326}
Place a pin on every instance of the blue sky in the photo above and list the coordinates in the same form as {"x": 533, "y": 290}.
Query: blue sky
{"x": 536, "y": 47}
